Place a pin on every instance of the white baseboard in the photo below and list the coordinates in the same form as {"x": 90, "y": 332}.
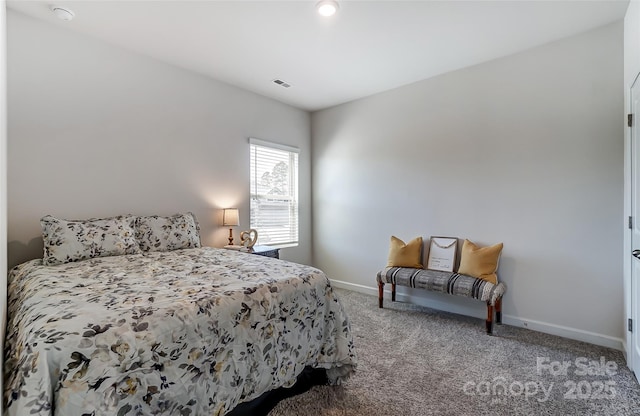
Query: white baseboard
{"x": 564, "y": 331}
{"x": 548, "y": 328}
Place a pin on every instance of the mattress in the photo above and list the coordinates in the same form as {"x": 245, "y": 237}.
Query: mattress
{"x": 186, "y": 332}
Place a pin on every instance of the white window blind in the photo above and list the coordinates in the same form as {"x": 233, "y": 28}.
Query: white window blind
{"x": 274, "y": 193}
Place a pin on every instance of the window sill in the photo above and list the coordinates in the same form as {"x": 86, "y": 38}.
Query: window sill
{"x": 286, "y": 245}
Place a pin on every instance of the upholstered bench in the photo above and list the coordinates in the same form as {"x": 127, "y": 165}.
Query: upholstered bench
{"x": 445, "y": 282}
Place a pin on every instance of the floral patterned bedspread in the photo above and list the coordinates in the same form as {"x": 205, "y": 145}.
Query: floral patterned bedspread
{"x": 188, "y": 332}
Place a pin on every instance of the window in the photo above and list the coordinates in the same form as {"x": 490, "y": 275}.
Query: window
{"x": 274, "y": 193}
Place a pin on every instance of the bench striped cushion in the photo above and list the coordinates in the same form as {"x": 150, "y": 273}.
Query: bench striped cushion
{"x": 445, "y": 282}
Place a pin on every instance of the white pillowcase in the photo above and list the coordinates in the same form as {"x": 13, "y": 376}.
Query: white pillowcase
{"x": 73, "y": 240}
{"x": 156, "y": 233}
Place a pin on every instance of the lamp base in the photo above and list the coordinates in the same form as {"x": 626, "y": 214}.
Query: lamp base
{"x": 230, "y": 236}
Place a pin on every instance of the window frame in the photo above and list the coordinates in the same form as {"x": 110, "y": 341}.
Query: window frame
{"x": 292, "y": 198}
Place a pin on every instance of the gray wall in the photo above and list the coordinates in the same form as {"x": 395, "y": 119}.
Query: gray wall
{"x": 3, "y": 179}
{"x": 525, "y": 150}
{"x": 97, "y": 131}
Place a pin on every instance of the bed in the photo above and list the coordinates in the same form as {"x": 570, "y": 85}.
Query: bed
{"x": 188, "y": 331}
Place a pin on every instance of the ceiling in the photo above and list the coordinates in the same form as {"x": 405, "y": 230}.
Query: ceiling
{"x": 366, "y": 48}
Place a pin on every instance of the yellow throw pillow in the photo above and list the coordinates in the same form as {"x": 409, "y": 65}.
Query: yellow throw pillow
{"x": 405, "y": 255}
{"x": 480, "y": 262}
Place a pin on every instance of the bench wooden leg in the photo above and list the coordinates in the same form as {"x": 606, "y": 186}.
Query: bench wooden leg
{"x": 393, "y": 292}
{"x": 499, "y": 311}
{"x": 489, "y": 318}
{"x": 380, "y": 294}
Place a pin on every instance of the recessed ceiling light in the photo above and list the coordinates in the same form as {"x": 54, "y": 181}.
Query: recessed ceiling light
{"x": 63, "y": 13}
{"x": 327, "y": 7}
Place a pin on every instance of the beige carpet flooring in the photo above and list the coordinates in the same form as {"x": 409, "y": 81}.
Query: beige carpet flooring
{"x": 418, "y": 361}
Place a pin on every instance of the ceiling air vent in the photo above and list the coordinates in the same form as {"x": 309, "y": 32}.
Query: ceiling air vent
{"x": 281, "y": 83}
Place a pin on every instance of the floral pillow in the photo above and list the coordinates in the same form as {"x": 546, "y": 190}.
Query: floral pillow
{"x": 74, "y": 240}
{"x": 155, "y": 233}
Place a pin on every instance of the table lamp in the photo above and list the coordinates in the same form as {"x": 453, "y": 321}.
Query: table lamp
{"x": 230, "y": 219}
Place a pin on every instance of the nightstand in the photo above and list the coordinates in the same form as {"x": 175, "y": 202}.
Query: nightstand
{"x": 266, "y": 251}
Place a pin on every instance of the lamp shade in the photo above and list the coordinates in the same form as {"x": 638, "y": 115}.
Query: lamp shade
{"x": 230, "y": 216}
